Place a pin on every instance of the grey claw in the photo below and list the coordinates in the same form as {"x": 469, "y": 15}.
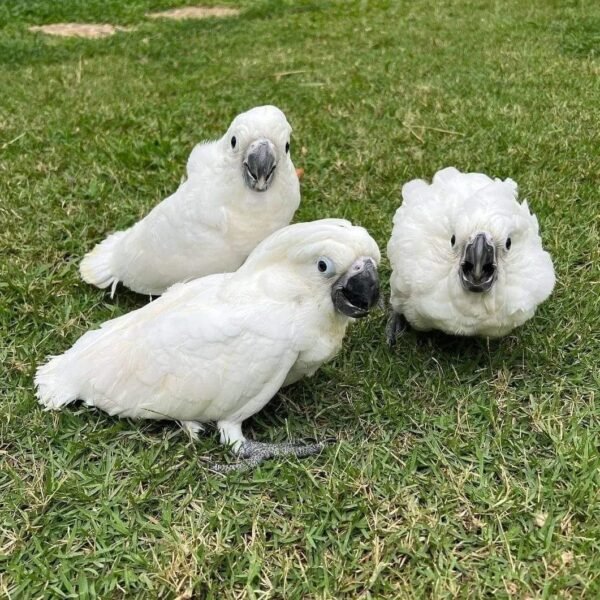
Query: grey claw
{"x": 309, "y": 449}
{"x": 239, "y": 466}
{"x": 325, "y": 442}
{"x": 396, "y": 326}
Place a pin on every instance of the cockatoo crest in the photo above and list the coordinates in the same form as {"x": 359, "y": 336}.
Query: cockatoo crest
{"x": 337, "y": 239}
{"x": 259, "y": 122}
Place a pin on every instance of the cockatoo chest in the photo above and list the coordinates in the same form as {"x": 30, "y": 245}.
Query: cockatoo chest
{"x": 253, "y": 216}
{"x": 321, "y": 342}
{"x": 249, "y": 225}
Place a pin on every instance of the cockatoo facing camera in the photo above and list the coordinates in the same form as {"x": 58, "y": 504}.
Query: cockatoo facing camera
{"x": 239, "y": 190}
{"x": 219, "y": 348}
{"x": 467, "y": 258}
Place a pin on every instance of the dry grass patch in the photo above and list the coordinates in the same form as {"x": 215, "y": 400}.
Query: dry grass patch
{"x": 83, "y": 30}
{"x": 195, "y": 12}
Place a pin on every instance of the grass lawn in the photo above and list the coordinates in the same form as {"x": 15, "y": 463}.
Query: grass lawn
{"x": 463, "y": 468}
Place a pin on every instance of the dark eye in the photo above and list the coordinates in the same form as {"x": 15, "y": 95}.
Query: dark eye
{"x": 508, "y": 243}
{"x": 453, "y": 240}
{"x": 325, "y": 265}
{"x": 233, "y": 142}
{"x": 287, "y": 147}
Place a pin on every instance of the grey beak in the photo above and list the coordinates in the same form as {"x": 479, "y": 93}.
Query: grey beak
{"x": 259, "y": 165}
{"x": 478, "y": 266}
{"x": 356, "y": 292}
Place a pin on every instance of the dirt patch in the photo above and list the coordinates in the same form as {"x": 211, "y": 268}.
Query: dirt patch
{"x": 195, "y": 12}
{"x": 83, "y": 30}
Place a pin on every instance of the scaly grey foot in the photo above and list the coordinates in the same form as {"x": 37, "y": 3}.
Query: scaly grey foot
{"x": 254, "y": 453}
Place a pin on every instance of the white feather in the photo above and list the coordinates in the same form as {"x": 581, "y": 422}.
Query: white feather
{"x": 425, "y": 282}
{"x": 211, "y": 223}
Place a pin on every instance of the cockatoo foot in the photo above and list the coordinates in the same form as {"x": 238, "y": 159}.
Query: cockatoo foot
{"x": 397, "y": 325}
{"x": 254, "y": 453}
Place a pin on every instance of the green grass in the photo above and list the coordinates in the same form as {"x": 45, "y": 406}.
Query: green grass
{"x": 463, "y": 468}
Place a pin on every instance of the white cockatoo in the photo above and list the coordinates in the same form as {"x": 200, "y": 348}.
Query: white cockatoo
{"x": 218, "y": 348}
{"x": 467, "y": 258}
{"x": 238, "y": 190}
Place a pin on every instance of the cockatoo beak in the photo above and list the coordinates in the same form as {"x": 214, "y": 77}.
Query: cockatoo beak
{"x": 259, "y": 165}
{"x": 478, "y": 266}
{"x": 357, "y": 290}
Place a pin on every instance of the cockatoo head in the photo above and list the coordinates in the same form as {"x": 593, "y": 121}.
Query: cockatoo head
{"x": 493, "y": 242}
{"x": 481, "y": 240}
{"x": 258, "y": 144}
{"x": 329, "y": 262}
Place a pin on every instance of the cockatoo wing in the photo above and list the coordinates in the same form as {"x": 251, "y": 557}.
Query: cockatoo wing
{"x": 189, "y": 356}
{"x": 179, "y": 239}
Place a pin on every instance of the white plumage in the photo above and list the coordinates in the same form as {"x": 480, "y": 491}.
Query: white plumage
{"x": 219, "y": 348}
{"x": 238, "y": 190}
{"x": 465, "y": 232}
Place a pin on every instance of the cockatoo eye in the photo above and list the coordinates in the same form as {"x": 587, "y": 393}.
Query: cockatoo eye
{"x": 508, "y": 243}
{"x": 233, "y": 142}
{"x": 453, "y": 240}
{"x": 287, "y": 147}
{"x": 325, "y": 266}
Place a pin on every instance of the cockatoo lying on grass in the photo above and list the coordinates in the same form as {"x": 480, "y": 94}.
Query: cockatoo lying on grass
{"x": 467, "y": 258}
{"x": 220, "y": 347}
{"x": 239, "y": 190}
